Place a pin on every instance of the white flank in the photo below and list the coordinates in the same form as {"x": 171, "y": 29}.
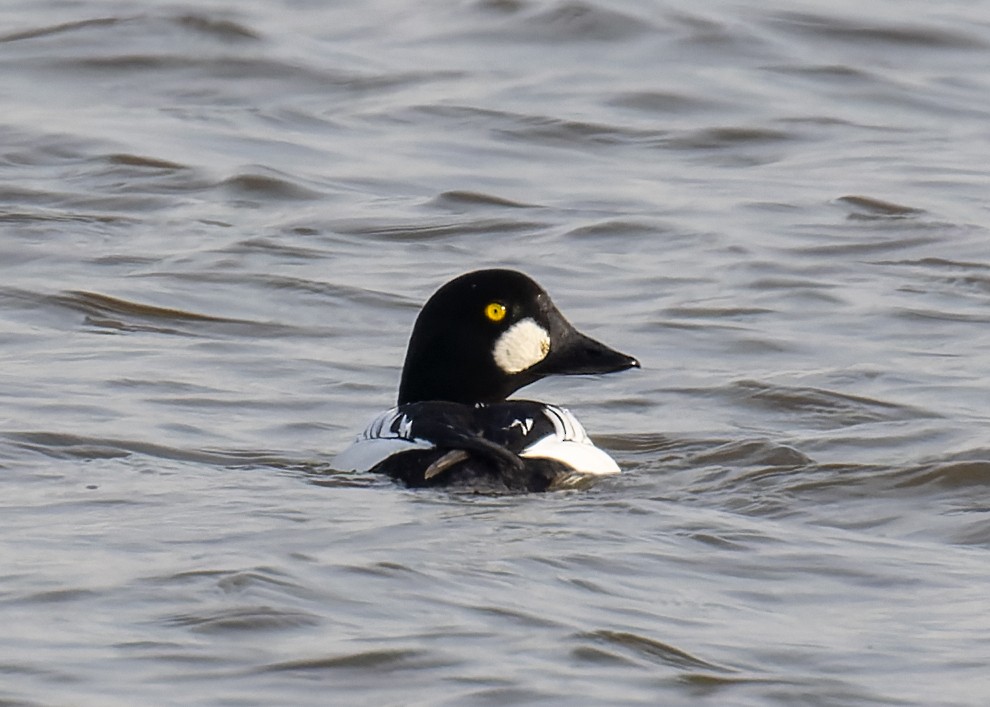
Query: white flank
{"x": 580, "y": 456}
{"x": 378, "y": 442}
{"x": 522, "y": 345}
{"x": 365, "y": 453}
{"x": 570, "y": 444}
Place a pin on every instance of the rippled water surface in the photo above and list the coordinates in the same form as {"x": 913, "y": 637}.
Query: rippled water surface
{"x": 218, "y": 221}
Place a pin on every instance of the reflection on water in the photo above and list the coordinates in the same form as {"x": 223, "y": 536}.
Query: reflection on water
{"x": 218, "y": 226}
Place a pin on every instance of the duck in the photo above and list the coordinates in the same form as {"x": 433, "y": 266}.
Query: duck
{"x": 478, "y": 339}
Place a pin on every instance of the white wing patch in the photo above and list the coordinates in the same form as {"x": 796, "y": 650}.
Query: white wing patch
{"x": 379, "y": 442}
{"x": 525, "y": 425}
{"x": 405, "y": 427}
{"x": 571, "y": 445}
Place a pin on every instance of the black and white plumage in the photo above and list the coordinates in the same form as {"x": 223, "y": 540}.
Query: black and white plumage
{"x": 518, "y": 444}
{"x": 477, "y": 340}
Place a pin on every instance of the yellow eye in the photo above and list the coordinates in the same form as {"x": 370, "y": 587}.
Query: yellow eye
{"x": 495, "y": 311}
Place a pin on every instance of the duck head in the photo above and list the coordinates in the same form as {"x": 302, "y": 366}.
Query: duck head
{"x": 488, "y": 333}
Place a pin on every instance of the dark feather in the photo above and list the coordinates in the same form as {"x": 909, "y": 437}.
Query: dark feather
{"x": 479, "y": 473}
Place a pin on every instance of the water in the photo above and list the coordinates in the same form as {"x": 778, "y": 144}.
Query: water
{"x": 219, "y": 221}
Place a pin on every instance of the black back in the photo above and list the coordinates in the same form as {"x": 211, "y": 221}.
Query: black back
{"x": 490, "y": 436}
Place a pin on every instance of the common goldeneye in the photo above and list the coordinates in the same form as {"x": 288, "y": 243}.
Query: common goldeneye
{"x": 477, "y": 340}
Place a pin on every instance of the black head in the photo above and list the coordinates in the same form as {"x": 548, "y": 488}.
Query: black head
{"x": 484, "y": 335}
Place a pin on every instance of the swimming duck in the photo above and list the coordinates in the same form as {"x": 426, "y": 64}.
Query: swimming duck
{"x": 477, "y": 340}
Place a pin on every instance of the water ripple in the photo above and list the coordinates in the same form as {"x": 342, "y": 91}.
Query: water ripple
{"x": 906, "y": 34}
{"x": 568, "y": 21}
{"x": 651, "y": 650}
{"x": 246, "y": 619}
{"x": 372, "y": 660}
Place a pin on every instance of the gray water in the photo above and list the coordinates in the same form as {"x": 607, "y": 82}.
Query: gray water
{"x": 218, "y": 221}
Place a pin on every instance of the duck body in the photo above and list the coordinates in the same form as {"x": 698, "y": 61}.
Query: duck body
{"x": 512, "y": 446}
{"x": 477, "y": 340}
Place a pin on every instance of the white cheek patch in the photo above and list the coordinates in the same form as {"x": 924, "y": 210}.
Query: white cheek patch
{"x": 524, "y": 344}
